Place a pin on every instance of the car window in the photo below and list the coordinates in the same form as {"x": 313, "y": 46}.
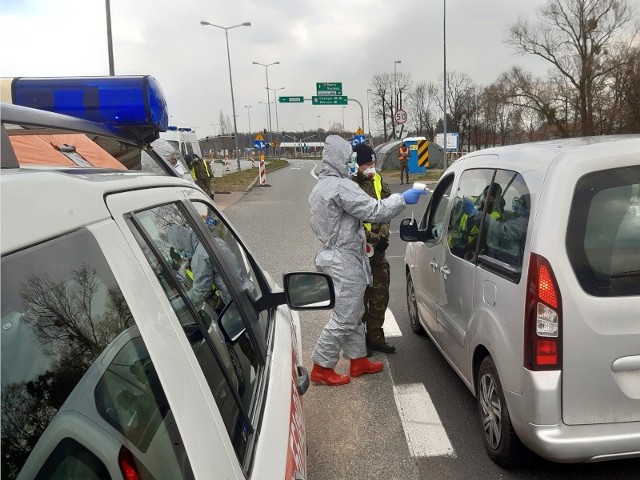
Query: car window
{"x": 64, "y": 320}
{"x": 603, "y": 238}
{"x": 72, "y": 460}
{"x": 206, "y": 307}
{"x": 506, "y": 234}
{"x": 434, "y": 216}
{"x": 464, "y": 229}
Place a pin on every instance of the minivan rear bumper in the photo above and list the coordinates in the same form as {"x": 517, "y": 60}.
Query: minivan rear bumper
{"x": 536, "y": 416}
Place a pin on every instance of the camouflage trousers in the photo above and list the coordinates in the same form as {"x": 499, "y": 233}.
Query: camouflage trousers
{"x": 205, "y": 184}
{"x": 376, "y": 299}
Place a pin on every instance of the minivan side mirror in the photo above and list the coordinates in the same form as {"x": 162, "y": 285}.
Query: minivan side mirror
{"x": 409, "y": 230}
{"x": 309, "y": 290}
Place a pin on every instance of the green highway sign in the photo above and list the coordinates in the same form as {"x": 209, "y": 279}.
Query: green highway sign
{"x": 329, "y": 88}
{"x": 291, "y": 99}
{"x": 329, "y": 100}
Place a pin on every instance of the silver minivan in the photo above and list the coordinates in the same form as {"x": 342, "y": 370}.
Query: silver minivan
{"x": 525, "y": 273}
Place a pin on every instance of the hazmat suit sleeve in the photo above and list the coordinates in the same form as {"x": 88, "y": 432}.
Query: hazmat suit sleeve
{"x": 359, "y": 204}
{"x": 203, "y": 277}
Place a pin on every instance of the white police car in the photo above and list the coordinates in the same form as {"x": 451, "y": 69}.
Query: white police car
{"x": 109, "y": 369}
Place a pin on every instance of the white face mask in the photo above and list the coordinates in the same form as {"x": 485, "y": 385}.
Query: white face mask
{"x": 369, "y": 172}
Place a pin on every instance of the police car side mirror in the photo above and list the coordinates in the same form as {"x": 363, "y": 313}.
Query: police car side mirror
{"x": 309, "y": 290}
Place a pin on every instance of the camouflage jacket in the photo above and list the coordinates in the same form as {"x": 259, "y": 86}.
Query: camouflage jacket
{"x": 376, "y": 230}
{"x": 200, "y": 169}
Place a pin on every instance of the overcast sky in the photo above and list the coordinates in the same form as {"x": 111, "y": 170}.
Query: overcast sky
{"x": 345, "y": 41}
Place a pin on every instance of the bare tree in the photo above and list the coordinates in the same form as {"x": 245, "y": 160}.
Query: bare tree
{"x": 422, "y": 104}
{"x": 574, "y": 37}
{"x": 382, "y": 89}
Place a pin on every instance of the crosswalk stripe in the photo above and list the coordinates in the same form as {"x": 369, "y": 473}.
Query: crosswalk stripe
{"x": 391, "y": 328}
{"x": 423, "y": 429}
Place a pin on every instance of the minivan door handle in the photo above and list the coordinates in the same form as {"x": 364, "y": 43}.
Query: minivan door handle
{"x": 434, "y": 264}
{"x": 445, "y": 271}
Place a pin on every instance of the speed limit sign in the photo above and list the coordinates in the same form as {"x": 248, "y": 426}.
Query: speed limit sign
{"x": 400, "y": 116}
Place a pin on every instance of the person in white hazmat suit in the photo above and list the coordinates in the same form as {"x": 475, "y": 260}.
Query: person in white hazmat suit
{"x": 338, "y": 209}
{"x": 188, "y": 246}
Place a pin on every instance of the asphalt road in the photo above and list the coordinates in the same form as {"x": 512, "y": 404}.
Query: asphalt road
{"x": 357, "y": 431}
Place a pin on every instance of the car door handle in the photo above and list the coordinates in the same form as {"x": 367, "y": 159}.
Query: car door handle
{"x": 434, "y": 265}
{"x": 445, "y": 271}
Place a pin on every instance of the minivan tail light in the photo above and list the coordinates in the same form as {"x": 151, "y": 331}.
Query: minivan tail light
{"x": 128, "y": 464}
{"x": 543, "y": 317}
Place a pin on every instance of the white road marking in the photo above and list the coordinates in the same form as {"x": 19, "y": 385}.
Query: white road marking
{"x": 391, "y": 328}
{"x": 423, "y": 429}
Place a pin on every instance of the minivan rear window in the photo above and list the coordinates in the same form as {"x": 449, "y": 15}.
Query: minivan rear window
{"x": 603, "y": 237}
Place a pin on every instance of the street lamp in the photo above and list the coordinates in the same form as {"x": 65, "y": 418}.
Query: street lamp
{"x": 109, "y": 40}
{"x": 266, "y": 74}
{"x": 368, "y": 116}
{"x": 395, "y": 94}
{"x": 233, "y": 102}
{"x": 343, "y": 118}
{"x": 275, "y": 102}
{"x": 318, "y": 127}
{"x": 249, "y": 117}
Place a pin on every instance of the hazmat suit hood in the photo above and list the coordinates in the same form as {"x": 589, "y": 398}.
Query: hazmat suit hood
{"x": 335, "y": 156}
{"x": 164, "y": 149}
{"x": 182, "y": 239}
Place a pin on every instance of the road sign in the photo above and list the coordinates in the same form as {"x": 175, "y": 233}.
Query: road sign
{"x": 291, "y": 99}
{"x": 329, "y": 100}
{"x": 260, "y": 144}
{"x": 329, "y": 88}
{"x": 259, "y": 136}
{"x": 357, "y": 139}
{"x": 359, "y": 131}
{"x": 400, "y": 116}
{"x": 423, "y": 153}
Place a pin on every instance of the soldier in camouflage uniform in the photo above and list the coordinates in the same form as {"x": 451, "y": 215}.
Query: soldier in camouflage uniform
{"x": 201, "y": 173}
{"x": 376, "y": 297}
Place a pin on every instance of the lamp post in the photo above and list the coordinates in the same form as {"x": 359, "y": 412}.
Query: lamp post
{"x": 395, "y": 94}
{"x": 266, "y": 74}
{"x": 444, "y": 44}
{"x": 343, "y": 118}
{"x": 275, "y": 103}
{"x": 368, "y": 116}
{"x": 233, "y": 102}
{"x": 248, "y": 117}
{"x": 109, "y": 40}
{"x": 319, "y": 128}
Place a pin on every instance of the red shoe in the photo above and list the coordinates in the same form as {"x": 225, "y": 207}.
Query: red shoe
{"x": 360, "y": 366}
{"x": 328, "y": 376}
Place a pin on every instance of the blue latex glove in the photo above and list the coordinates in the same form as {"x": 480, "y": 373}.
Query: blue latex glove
{"x": 412, "y": 196}
{"x": 468, "y": 207}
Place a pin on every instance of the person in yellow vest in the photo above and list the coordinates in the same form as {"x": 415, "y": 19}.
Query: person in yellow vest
{"x": 403, "y": 158}
{"x": 376, "y": 296}
{"x": 201, "y": 173}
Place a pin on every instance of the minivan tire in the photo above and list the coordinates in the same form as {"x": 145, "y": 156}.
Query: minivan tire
{"x": 412, "y": 307}
{"x": 502, "y": 443}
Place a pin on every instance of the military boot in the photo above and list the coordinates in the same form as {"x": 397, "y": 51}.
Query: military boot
{"x": 328, "y": 376}
{"x": 360, "y": 366}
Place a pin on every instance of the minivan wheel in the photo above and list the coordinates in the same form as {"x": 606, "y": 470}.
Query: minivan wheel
{"x": 502, "y": 443}
{"x": 412, "y": 306}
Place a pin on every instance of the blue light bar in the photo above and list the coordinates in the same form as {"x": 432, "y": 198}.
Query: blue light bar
{"x": 127, "y": 102}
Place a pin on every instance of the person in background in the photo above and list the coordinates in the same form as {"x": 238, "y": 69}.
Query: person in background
{"x": 338, "y": 207}
{"x": 403, "y": 159}
{"x": 376, "y": 296}
{"x": 201, "y": 173}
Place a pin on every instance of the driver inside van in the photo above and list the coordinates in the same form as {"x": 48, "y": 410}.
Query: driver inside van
{"x": 464, "y": 239}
